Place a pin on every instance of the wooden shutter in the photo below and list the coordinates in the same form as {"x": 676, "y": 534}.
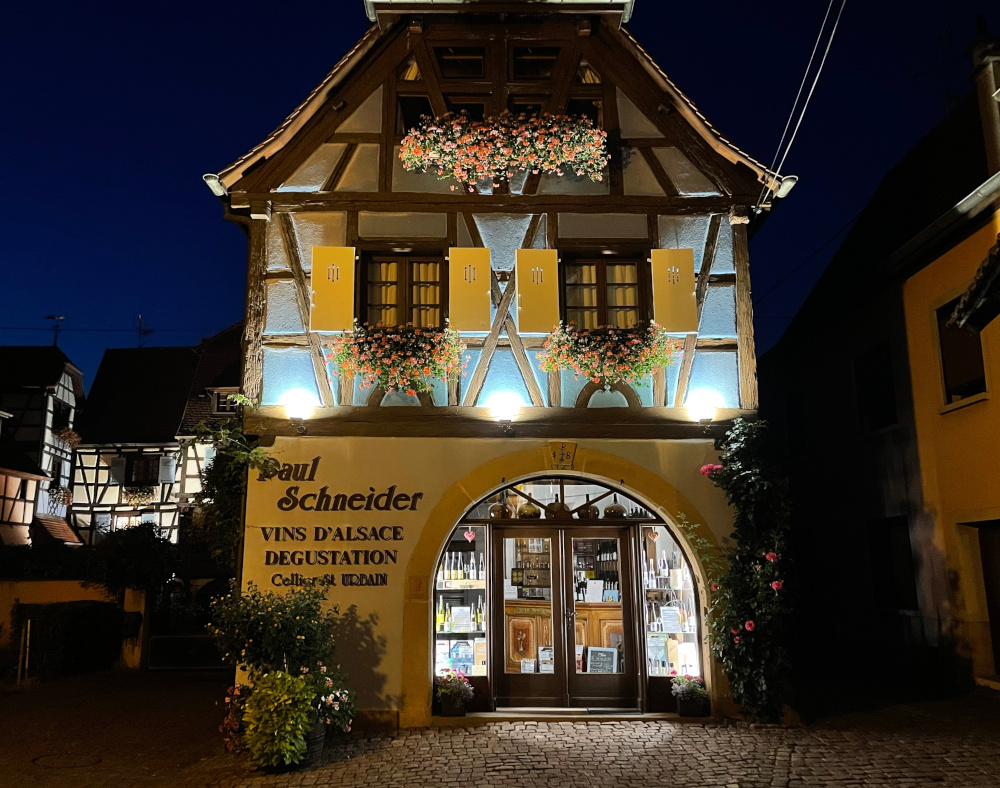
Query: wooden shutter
{"x": 332, "y": 288}
{"x": 117, "y": 466}
{"x": 537, "y": 290}
{"x": 674, "y": 304}
{"x": 168, "y": 468}
{"x": 469, "y": 289}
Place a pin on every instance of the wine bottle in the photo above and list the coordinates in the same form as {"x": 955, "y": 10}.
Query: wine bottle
{"x": 440, "y": 615}
{"x": 482, "y": 566}
{"x": 440, "y": 574}
{"x": 447, "y": 619}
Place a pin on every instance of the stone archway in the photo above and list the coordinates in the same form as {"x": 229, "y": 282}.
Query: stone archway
{"x": 643, "y": 485}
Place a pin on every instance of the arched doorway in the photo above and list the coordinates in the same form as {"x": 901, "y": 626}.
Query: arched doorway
{"x": 565, "y": 590}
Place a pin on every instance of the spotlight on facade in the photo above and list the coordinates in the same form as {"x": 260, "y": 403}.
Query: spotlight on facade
{"x": 299, "y": 405}
{"x": 504, "y": 407}
{"x": 702, "y": 404}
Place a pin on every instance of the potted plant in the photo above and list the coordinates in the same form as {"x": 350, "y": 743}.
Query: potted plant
{"x": 691, "y": 694}
{"x": 609, "y": 355}
{"x": 277, "y": 719}
{"x": 492, "y": 149}
{"x": 453, "y": 691}
{"x": 331, "y": 707}
{"x": 397, "y": 358}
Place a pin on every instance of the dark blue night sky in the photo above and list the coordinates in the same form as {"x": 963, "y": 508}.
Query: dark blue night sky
{"x": 112, "y": 112}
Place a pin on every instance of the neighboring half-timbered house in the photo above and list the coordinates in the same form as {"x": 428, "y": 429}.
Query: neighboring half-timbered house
{"x": 140, "y": 460}
{"x": 41, "y": 390}
{"x": 343, "y": 231}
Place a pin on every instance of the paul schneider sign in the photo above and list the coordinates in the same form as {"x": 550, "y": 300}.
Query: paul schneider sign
{"x": 354, "y": 554}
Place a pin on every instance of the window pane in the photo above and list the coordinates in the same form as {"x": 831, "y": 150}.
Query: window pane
{"x": 961, "y": 358}
{"x": 596, "y": 581}
{"x": 460, "y": 62}
{"x": 622, "y": 317}
{"x": 461, "y": 620}
{"x": 582, "y": 318}
{"x": 527, "y": 569}
{"x": 534, "y": 62}
{"x": 670, "y": 612}
{"x": 581, "y": 274}
{"x": 581, "y": 295}
{"x": 382, "y": 295}
{"x": 385, "y": 315}
{"x": 623, "y": 273}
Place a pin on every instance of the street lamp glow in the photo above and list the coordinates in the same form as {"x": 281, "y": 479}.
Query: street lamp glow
{"x": 298, "y": 403}
{"x": 702, "y": 404}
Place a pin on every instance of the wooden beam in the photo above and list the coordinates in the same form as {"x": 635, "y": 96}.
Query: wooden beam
{"x": 658, "y": 172}
{"x": 331, "y": 182}
{"x": 690, "y": 341}
{"x": 489, "y": 346}
{"x": 516, "y": 346}
{"x": 256, "y": 300}
{"x": 744, "y": 314}
{"x": 442, "y": 422}
{"x": 302, "y": 302}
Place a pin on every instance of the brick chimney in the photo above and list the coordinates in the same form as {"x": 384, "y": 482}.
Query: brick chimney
{"x": 986, "y": 58}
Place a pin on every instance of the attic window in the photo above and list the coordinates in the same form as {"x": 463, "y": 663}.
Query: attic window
{"x": 586, "y": 75}
{"x": 475, "y": 110}
{"x": 221, "y": 404}
{"x": 410, "y": 71}
{"x": 409, "y": 111}
{"x": 461, "y": 62}
{"x": 534, "y": 62}
{"x": 585, "y": 108}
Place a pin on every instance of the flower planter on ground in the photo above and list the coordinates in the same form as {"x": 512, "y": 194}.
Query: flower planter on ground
{"x": 693, "y": 707}
{"x": 450, "y": 707}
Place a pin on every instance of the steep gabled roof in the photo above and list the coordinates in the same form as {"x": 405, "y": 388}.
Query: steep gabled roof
{"x": 219, "y": 366}
{"x": 32, "y": 365}
{"x": 302, "y": 114}
{"x": 138, "y": 395}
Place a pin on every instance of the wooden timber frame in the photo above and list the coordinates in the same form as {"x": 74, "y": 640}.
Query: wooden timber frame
{"x": 375, "y": 65}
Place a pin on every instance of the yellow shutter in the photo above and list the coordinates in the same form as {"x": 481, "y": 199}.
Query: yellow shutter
{"x": 537, "y": 290}
{"x": 332, "y": 289}
{"x": 469, "y": 289}
{"x": 674, "y": 304}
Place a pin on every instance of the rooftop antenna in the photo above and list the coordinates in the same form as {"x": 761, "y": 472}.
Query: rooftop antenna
{"x": 56, "y": 327}
{"x": 140, "y": 330}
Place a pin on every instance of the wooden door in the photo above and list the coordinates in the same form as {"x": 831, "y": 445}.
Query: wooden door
{"x": 602, "y": 667}
{"x": 529, "y": 654}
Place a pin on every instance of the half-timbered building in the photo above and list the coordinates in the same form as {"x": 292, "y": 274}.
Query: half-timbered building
{"x": 596, "y": 602}
{"x": 41, "y": 390}
{"x": 140, "y": 459}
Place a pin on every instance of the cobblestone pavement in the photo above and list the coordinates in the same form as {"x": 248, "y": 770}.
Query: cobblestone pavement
{"x": 157, "y": 731}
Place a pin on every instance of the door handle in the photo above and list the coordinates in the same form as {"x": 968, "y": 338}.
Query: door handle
{"x": 571, "y": 615}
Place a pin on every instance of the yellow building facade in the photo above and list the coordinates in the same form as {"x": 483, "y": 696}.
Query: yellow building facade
{"x": 959, "y": 448}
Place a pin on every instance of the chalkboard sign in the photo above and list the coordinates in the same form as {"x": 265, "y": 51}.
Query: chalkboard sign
{"x": 602, "y": 660}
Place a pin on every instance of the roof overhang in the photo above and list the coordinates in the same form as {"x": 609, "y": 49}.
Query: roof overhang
{"x": 980, "y": 304}
{"x": 622, "y": 8}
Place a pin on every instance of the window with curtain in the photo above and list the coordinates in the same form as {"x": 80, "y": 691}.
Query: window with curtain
{"x": 405, "y": 289}
{"x": 603, "y": 293}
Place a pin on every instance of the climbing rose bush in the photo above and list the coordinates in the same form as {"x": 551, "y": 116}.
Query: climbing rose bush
{"x": 454, "y": 146}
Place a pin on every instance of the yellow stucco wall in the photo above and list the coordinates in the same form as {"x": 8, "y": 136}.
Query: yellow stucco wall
{"x": 959, "y": 451}
{"x": 40, "y": 592}
{"x": 386, "y": 633}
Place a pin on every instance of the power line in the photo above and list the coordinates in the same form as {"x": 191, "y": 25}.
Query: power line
{"x": 110, "y": 330}
{"x": 767, "y": 190}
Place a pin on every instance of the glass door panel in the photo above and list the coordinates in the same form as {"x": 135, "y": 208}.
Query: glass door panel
{"x": 529, "y": 663}
{"x": 602, "y": 670}
{"x": 671, "y": 621}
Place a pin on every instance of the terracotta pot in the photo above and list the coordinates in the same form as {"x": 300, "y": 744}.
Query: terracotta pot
{"x": 452, "y": 707}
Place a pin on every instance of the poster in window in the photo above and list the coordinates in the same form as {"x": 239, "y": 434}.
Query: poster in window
{"x": 602, "y": 660}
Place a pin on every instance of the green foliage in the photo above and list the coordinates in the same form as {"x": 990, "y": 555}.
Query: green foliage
{"x": 224, "y": 483}
{"x": 277, "y": 719}
{"x": 263, "y": 631}
{"x": 136, "y": 557}
{"x": 750, "y": 610}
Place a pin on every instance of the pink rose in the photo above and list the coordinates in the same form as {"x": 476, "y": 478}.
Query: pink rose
{"x": 772, "y": 556}
{"x": 715, "y": 586}
{"x": 777, "y": 585}
{"x": 734, "y": 630}
{"x": 736, "y": 640}
{"x": 709, "y": 468}
{"x": 749, "y": 626}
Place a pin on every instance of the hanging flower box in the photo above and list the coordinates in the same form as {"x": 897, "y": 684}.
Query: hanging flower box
{"x": 397, "y": 358}
{"x": 493, "y": 149}
{"x": 137, "y": 496}
{"x": 68, "y": 436}
{"x": 609, "y": 355}
{"x": 60, "y": 496}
